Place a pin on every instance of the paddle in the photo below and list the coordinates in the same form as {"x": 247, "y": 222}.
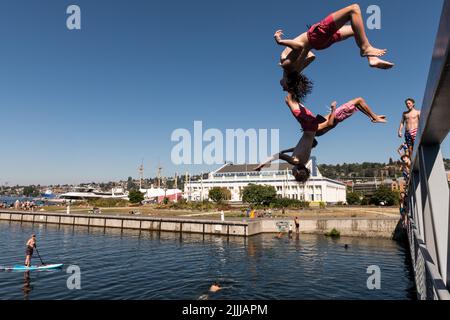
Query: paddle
{"x": 39, "y": 256}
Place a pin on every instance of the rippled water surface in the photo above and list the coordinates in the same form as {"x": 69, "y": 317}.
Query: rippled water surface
{"x": 134, "y": 265}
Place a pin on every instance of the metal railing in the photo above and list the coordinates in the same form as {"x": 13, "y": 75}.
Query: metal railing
{"x": 428, "y": 190}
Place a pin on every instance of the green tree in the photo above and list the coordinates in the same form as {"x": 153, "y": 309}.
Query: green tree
{"x": 30, "y": 191}
{"x": 259, "y": 195}
{"x": 217, "y": 194}
{"x": 353, "y": 198}
{"x": 385, "y": 195}
{"x": 135, "y": 196}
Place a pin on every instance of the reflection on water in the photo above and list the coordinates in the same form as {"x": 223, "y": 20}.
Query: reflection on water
{"x": 133, "y": 264}
{"x": 26, "y": 285}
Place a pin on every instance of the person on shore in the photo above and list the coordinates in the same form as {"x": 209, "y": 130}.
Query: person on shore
{"x": 297, "y": 225}
{"x": 334, "y": 28}
{"x": 215, "y": 287}
{"x": 316, "y": 126}
{"x": 31, "y": 244}
{"x": 410, "y": 120}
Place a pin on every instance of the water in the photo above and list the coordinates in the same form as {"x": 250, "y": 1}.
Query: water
{"x": 134, "y": 265}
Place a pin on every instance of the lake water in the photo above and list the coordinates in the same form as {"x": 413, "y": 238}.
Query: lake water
{"x": 144, "y": 265}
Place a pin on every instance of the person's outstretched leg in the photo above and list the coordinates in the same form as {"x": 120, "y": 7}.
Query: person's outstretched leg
{"x": 353, "y": 14}
{"x": 375, "y": 62}
{"x": 361, "y": 104}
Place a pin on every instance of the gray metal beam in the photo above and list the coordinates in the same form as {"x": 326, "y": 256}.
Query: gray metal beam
{"x": 416, "y": 205}
{"x": 436, "y": 188}
{"x": 428, "y": 186}
{"x": 436, "y": 102}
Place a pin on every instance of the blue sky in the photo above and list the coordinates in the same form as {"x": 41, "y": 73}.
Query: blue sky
{"x": 89, "y": 105}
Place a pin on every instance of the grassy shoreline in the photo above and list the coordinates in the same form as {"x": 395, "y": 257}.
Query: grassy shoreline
{"x": 239, "y": 213}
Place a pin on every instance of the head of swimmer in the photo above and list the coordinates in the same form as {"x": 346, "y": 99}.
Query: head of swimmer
{"x": 296, "y": 83}
{"x": 410, "y": 103}
{"x": 301, "y": 173}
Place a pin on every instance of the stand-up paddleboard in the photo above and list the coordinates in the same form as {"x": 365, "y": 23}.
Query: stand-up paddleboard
{"x": 32, "y": 268}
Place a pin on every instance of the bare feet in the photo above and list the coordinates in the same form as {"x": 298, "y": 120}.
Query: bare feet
{"x": 376, "y": 62}
{"x": 379, "y": 119}
{"x": 374, "y": 52}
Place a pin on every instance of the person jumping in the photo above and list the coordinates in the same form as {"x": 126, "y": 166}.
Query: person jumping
{"x": 334, "y": 28}
{"x": 316, "y": 126}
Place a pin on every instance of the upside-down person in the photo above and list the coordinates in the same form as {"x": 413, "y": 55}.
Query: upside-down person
{"x": 334, "y": 28}
{"x": 316, "y": 126}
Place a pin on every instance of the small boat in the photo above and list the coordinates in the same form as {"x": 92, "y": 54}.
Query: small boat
{"x": 33, "y": 268}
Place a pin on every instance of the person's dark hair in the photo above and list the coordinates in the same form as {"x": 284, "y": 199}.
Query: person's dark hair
{"x": 410, "y": 99}
{"x": 299, "y": 85}
{"x": 301, "y": 173}
{"x": 315, "y": 143}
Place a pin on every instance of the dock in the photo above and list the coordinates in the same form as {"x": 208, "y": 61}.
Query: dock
{"x": 361, "y": 227}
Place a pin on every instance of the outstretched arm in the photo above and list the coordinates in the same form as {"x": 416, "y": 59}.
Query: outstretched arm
{"x": 282, "y": 155}
{"x": 291, "y": 103}
{"x": 306, "y": 59}
{"x": 400, "y": 129}
{"x": 399, "y": 149}
{"x": 330, "y": 118}
{"x": 267, "y": 162}
{"x": 294, "y": 45}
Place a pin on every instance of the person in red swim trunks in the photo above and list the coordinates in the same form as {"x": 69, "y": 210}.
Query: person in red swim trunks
{"x": 345, "y": 111}
{"x": 315, "y": 126}
{"x": 302, "y": 152}
{"x": 334, "y": 28}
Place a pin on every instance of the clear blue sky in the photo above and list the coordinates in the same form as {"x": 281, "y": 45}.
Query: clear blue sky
{"x": 89, "y": 105}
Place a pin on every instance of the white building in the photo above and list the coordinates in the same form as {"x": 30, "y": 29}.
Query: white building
{"x": 158, "y": 194}
{"x": 236, "y": 177}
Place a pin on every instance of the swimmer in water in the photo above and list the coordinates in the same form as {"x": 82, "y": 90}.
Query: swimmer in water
{"x": 215, "y": 287}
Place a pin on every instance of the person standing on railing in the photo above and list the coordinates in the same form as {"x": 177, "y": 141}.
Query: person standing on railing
{"x": 403, "y": 150}
{"x": 410, "y": 120}
{"x": 406, "y": 167}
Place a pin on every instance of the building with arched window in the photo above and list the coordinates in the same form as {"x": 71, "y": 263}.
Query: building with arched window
{"x": 236, "y": 177}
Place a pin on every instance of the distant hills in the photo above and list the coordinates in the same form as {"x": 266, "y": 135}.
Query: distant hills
{"x": 365, "y": 169}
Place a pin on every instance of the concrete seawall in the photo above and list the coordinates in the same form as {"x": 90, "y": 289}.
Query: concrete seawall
{"x": 355, "y": 227}
{"x": 382, "y": 228}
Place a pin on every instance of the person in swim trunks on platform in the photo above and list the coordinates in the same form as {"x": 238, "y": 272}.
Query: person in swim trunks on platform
{"x": 31, "y": 244}
{"x": 334, "y": 28}
{"x": 410, "y": 120}
{"x": 316, "y": 126}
